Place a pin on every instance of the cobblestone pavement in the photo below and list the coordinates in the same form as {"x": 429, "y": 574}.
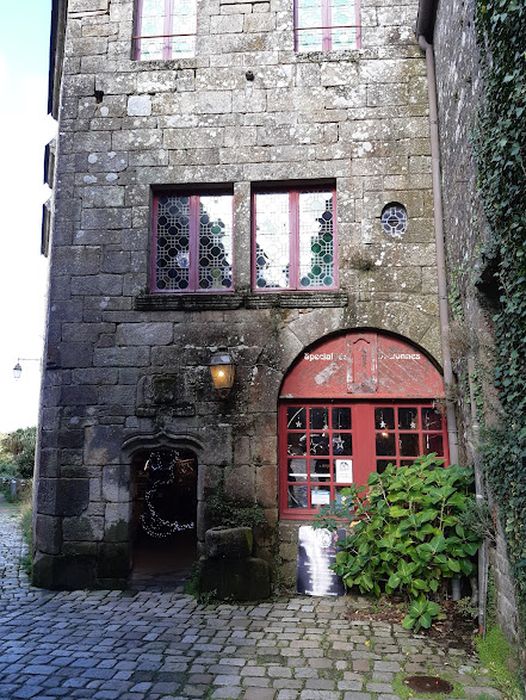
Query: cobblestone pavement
{"x": 107, "y": 645}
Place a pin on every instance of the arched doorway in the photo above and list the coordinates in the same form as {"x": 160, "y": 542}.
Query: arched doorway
{"x": 350, "y": 405}
{"x": 164, "y": 517}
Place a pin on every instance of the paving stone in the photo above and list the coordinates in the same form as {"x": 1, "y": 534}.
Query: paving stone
{"x": 163, "y": 645}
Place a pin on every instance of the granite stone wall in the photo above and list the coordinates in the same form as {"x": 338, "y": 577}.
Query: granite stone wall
{"x": 127, "y": 369}
{"x": 472, "y": 289}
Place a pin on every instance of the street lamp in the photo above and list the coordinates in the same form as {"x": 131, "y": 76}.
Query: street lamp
{"x": 17, "y": 369}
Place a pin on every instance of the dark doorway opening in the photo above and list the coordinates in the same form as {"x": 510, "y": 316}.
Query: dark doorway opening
{"x": 164, "y": 518}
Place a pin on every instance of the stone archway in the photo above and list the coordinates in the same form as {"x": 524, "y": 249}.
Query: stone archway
{"x": 164, "y": 497}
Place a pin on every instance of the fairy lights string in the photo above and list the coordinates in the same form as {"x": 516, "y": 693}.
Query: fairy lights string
{"x": 158, "y": 464}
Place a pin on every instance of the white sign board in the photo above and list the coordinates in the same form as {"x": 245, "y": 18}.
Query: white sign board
{"x": 343, "y": 471}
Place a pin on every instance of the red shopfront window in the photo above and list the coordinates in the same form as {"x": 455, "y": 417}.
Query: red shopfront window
{"x": 192, "y": 242}
{"x": 294, "y": 241}
{"x": 349, "y": 405}
{"x": 164, "y": 29}
{"x": 325, "y": 447}
{"x": 326, "y": 25}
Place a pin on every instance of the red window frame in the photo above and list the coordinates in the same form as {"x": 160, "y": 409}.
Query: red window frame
{"x": 364, "y": 446}
{"x": 166, "y": 13}
{"x": 193, "y": 246}
{"x": 294, "y": 237}
{"x": 326, "y": 26}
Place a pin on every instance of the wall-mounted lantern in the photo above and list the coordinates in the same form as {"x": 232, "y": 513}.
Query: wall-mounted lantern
{"x": 17, "y": 369}
{"x": 222, "y": 372}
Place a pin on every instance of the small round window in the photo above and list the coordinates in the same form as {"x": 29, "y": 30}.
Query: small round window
{"x": 394, "y": 219}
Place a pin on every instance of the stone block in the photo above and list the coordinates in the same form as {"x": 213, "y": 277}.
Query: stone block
{"x": 62, "y": 496}
{"x": 48, "y": 534}
{"x": 90, "y": 529}
{"x": 102, "y": 445}
{"x": 266, "y": 486}
{"x": 139, "y": 106}
{"x": 66, "y": 572}
{"x": 144, "y": 333}
{"x": 229, "y": 24}
{"x": 242, "y": 579}
{"x": 117, "y": 522}
{"x": 121, "y": 357}
{"x": 116, "y": 483}
{"x": 240, "y": 483}
{"x": 229, "y": 542}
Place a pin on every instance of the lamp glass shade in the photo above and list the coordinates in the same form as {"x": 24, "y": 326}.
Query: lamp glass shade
{"x": 17, "y": 370}
{"x": 222, "y": 371}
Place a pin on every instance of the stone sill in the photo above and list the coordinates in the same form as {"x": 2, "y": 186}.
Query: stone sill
{"x": 221, "y": 302}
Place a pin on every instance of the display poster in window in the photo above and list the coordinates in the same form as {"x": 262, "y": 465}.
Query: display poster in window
{"x": 317, "y": 549}
{"x": 343, "y": 471}
{"x": 320, "y": 496}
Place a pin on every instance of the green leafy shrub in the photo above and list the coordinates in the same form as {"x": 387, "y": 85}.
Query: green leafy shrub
{"x": 17, "y": 453}
{"x": 407, "y": 534}
{"x": 421, "y": 613}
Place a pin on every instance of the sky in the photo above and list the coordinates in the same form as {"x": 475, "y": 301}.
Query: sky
{"x": 25, "y": 129}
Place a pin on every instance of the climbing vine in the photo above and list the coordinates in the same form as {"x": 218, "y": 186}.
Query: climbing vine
{"x": 501, "y": 162}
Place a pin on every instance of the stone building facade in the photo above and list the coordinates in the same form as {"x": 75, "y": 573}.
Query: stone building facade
{"x": 126, "y": 360}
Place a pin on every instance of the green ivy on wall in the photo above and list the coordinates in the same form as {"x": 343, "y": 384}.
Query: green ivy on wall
{"x": 501, "y": 162}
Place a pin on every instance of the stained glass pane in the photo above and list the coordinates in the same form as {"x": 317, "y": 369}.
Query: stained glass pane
{"x": 342, "y": 443}
{"x": 343, "y": 32}
{"x": 272, "y": 240}
{"x": 341, "y": 418}
{"x": 319, "y": 418}
{"x": 320, "y": 496}
{"x": 297, "y": 470}
{"x": 319, "y": 444}
{"x": 320, "y": 469}
{"x": 308, "y": 26}
{"x": 434, "y": 443}
{"x": 167, "y": 36}
{"x": 297, "y": 496}
{"x": 385, "y": 444}
{"x": 409, "y": 444}
{"x": 316, "y": 239}
{"x": 384, "y": 418}
{"x": 296, "y": 418}
{"x": 431, "y": 419}
{"x": 215, "y": 242}
{"x": 297, "y": 444}
{"x": 183, "y": 21}
{"x": 408, "y": 418}
{"x": 173, "y": 243}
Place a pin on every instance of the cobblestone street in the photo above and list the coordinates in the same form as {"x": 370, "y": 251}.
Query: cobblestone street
{"x": 107, "y": 645}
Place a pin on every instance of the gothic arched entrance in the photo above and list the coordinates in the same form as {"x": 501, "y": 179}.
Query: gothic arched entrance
{"x": 164, "y": 515}
{"x": 349, "y": 406}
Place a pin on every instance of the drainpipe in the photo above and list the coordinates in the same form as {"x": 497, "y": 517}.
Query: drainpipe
{"x": 424, "y": 31}
{"x": 441, "y": 256}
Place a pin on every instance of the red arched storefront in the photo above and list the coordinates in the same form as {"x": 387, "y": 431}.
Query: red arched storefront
{"x": 349, "y": 406}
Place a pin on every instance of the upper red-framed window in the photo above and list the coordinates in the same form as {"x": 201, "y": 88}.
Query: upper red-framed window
{"x": 326, "y": 25}
{"x": 192, "y": 242}
{"x": 164, "y": 29}
{"x": 294, "y": 239}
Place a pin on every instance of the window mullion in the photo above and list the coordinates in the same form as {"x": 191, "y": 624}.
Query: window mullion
{"x": 168, "y": 29}
{"x": 154, "y": 257}
{"x": 326, "y": 21}
{"x": 194, "y": 243}
{"x": 294, "y": 240}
